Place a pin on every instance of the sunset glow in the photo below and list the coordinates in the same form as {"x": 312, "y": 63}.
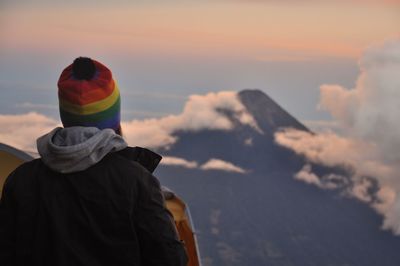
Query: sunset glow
{"x": 260, "y": 31}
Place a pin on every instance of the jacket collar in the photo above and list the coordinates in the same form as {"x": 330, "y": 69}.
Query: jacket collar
{"x": 147, "y": 158}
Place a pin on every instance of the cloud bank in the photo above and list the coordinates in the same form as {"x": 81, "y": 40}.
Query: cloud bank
{"x": 200, "y": 112}
{"x": 368, "y": 116}
{"x": 21, "y": 131}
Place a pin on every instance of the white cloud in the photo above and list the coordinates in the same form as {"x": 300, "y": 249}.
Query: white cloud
{"x": 200, "y": 112}
{"x": 368, "y": 116}
{"x": 361, "y": 190}
{"x": 371, "y": 110}
{"x": 333, "y": 150}
{"x": 217, "y": 164}
{"x": 21, "y": 131}
{"x": 330, "y": 181}
{"x": 150, "y": 133}
{"x": 212, "y": 164}
{"x": 176, "y": 161}
{"x": 306, "y": 175}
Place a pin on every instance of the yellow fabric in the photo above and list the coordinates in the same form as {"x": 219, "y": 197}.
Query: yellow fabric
{"x": 91, "y": 108}
{"x": 178, "y": 209}
{"x": 8, "y": 163}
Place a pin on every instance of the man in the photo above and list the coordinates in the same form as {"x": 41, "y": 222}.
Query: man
{"x": 89, "y": 199}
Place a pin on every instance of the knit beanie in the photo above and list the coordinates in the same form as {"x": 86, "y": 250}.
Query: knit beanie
{"x": 88, "y": 96}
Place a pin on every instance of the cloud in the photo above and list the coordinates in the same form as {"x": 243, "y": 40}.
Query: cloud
{"x": 330, "y": 181}
{"x": 248, "y": 142}
{"x": 369, "y": 143}
{"x": 176, "y": 161}
{"x": 217, "y": 164}
{"x": 21, "y": 131}
{"x": 307, "y": 176}
{"x": 362, "y": 190}
{"x": 200, "y": 112}
{"x": 333, "y": 150}
{"x": 212, "y": 164}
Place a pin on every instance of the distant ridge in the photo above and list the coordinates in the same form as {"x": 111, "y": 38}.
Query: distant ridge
{"x": 269, "y": 116}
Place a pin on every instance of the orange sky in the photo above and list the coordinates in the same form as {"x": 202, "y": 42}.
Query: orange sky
{"x": 255, "y": 30}
{"x": 163, "y": 48}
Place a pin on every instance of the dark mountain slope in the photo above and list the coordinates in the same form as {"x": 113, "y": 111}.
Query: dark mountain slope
{"x": 266, "y": 217}
{"x": 267, "y": 113}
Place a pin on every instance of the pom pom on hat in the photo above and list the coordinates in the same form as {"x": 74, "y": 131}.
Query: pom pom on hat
{"x": 83, "y": 68}
{"x": 89, "y": 96}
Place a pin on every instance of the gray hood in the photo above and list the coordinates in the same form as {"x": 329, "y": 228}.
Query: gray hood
{"x": 73, "y": 149}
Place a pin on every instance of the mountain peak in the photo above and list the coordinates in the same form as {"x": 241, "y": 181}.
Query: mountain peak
{"x": 269, "y": 116}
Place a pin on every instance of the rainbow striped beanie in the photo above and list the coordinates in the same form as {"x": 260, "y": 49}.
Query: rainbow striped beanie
{"x": 89, "y": 96}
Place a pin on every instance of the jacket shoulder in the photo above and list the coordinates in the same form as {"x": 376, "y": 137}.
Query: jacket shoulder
{"x": 28, "y": 167}
{"x": 22, "y": 177}
{"x": 145, "y": 157}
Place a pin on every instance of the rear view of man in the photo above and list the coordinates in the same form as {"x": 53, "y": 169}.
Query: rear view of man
{"x": 90, "y": 199}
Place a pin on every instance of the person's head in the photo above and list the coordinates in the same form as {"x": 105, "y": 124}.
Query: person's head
{"x": 89, "y": 96}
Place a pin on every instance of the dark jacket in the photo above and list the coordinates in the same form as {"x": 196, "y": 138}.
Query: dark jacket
{"x": 112, "y": 213}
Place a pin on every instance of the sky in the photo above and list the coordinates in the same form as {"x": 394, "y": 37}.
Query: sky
{"x": 161, "y": 52}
